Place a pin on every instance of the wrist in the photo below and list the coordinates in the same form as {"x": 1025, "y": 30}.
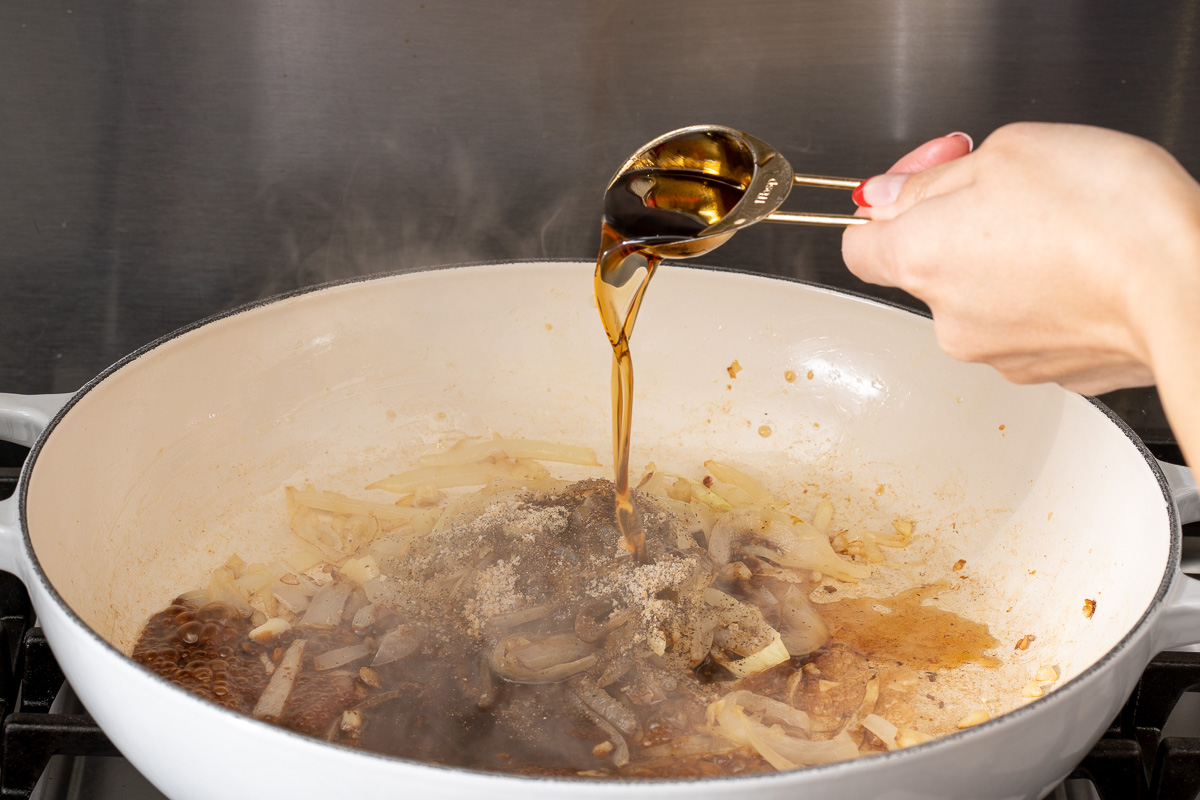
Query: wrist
{"x": 1169, "y": 326}
{"x": 1162, "y": 301}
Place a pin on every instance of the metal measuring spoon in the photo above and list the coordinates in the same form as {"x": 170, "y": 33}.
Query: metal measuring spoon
{"x": 688, "y": 191}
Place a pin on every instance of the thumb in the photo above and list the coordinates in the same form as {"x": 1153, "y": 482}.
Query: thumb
{"x": 885, "y": 197}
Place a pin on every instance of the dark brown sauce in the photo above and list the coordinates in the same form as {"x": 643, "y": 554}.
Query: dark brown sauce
{"x": 644, "y": 211}
{"x": 438, "y": 705}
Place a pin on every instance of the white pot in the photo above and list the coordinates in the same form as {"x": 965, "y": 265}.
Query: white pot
{"x": 156, "y": 471}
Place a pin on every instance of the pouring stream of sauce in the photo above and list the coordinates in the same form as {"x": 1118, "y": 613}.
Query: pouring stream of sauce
{"x": 645, "y": 211}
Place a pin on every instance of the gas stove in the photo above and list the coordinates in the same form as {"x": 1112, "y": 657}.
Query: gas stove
{"x": 50, "y": 749}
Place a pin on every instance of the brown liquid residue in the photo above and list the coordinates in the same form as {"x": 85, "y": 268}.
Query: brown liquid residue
{"x": 921, "y": 636}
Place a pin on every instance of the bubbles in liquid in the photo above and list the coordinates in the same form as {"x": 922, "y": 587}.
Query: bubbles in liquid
{"x": 192, "y": 647}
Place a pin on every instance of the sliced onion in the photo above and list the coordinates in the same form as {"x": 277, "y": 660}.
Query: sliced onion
{"x": 686, "y": 746}
{"x": 325, "y": 610}
{"x": 823, "y": 516}
{"x": 316, "y": 529}
{"x": 781, "y": 750}
{"x": 222, "y": 589}
{"x": 804, "y": 630}
{"x": 605, "y": 705}
{"x": 290, "y": 597}
{"x": 512, "y": 619}
{"x": 744, "y": 631}
{"x": 802, "y": 545}
{"x": 365, "y": 617}
{"x": 596, "y": 620}
{"x": 770, "y": 709}
{"x": 761, "y": 661}
{"x": 341, "y": 656}
{"x": 335, "y": 503}
{"x": 195, "y": 597}
{"x": 306, "y": 584}
{"x": 883, "y": 730}
{"x": 551, "y": 651}
{"x": 397, "y": 644}
{"x": 274, "y": 697}
{"x": 795, "y": 542}
{"x": 731, "y": 528}
{"x": 731, "y": 475}
{"x": 521, "y": 659}
{"x": 447, "y": 477}
{"x": 465, "y": 452}
{"x": 620, "y": 754}
{"x": 375, "y": 590}
{"x": 487, "y": 686}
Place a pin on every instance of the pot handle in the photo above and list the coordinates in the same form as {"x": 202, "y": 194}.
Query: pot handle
{"x": 24, "y": 417}
{"x": 1180, "y": 623}
{"x": 1183, "y": 491}
{"x": 22, "y": 420}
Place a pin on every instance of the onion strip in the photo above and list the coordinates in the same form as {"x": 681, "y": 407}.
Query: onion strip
{"x": 325, "y": 610}
{"x": 336, "y": 503}
{"x": 468, "y": 453}
{"x": 341, "y": 657}
{"x": 279, "y": 688}
{"x": 458, "y": 476}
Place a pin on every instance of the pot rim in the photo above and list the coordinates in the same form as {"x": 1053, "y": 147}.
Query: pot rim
{"x": 876, "y": 761}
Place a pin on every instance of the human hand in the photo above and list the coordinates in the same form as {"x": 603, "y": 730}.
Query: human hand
{"x": 1054, "y": 252}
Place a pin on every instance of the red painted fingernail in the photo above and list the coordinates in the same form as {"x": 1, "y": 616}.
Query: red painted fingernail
{"x": 857, "y": 196}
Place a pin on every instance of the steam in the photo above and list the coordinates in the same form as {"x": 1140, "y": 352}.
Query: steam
{"x": 387, "y": 216}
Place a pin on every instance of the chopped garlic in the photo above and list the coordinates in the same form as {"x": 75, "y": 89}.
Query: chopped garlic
{"x": 369, "y": 677}
{"x": 907, "y": 737}
{"x": 1032, "y": 689}
{"x": 361, "y": 570}
{"x": 1046, "y": 672}
{"x": 974, "y": 718}
{"x": 352, "y": 720}
{"x": 657, "y": 641}
{"x": 270, "y": 630}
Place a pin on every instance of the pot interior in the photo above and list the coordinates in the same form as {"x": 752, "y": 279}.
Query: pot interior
{"x": 177, "y": 458}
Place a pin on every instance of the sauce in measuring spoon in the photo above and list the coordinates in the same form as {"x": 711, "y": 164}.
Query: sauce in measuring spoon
{"x": 645, "y": 211}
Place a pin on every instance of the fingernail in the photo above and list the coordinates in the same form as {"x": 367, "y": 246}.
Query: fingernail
{"x": 966, "y": 137}
{"x": 857, "y": 196}
{"x": 882, "y": 190}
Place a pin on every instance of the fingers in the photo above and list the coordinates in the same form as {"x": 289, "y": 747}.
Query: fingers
{"x": 936, "y": 168}
{"x": 869, "y": 255}
{"x": 938, "y": 151}
{"x": 882, "y": 190}
{"x": 892, "y": 194}
{"x": 899, "y": 251}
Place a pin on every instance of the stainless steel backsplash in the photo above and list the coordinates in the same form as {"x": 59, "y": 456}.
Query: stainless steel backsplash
{"x": 160, "y": 162}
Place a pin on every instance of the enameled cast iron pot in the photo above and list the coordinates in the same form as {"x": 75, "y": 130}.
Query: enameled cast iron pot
{"x": 153, "y": 474}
